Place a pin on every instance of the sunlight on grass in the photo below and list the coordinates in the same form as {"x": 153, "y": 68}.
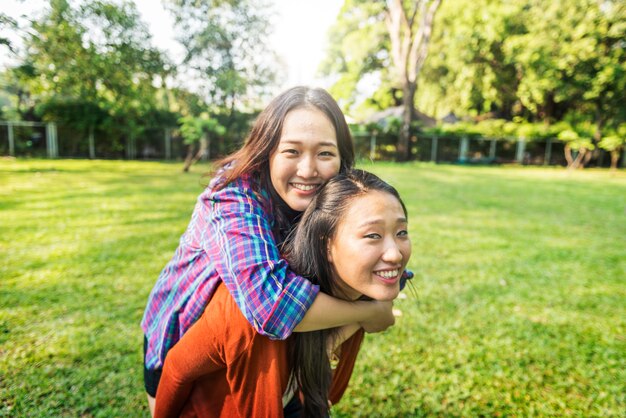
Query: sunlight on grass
{"x": 518, "y": 307}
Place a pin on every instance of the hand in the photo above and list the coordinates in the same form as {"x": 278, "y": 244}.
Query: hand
{"x": 382, "y": 317}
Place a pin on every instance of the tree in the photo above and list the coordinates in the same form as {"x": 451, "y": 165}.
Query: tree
{"x": 468, "y": 71}
{"x": 226, "y": 48}
{"x": 6, "y": 22}
{"x": 392, "y": 33}
{"x": 578, "y": 139}
{"x": 410, "y": 26}
{"x": 614, "y": 143}
{"x": 197, "y": 130}
{"x": 95, "y": 57}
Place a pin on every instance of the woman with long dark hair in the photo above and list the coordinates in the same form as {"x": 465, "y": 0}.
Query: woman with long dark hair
{"x": 352, "y": 242}
{"x": 298, "y": 142}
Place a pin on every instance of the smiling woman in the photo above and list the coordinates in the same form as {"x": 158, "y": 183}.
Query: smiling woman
{"x": 374, "y": 231}
{"x": 307, "y": 156}
{"x": 298, "y": 142}
{"x": 223, "y": 368}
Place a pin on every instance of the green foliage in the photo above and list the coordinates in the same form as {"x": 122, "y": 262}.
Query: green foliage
{"x": 82, "y": 114}
{"x": 6, "y": 22}
{"x": 612, "y": 143}
{"x": 358, "y": 45}
{"x": 226, "y": 47}
{"x": 194, "y": 128}
{"x": 615, "y": 141}
{"x": 466, "y": 71}
{"x": 518, "y": 306}
{"x": 91, "y": 65}
{"x": 541, "y": 62}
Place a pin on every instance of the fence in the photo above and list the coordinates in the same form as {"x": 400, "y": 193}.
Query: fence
{"x": 466, "y": 150}
{"x": 37, "y": 139}
{"x": 26, "y": 139}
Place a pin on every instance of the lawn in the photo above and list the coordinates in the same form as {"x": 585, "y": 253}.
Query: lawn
{"x": 518, "y": 306}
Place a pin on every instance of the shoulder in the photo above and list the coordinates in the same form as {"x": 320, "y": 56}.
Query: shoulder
{"x": 245, "y": 190}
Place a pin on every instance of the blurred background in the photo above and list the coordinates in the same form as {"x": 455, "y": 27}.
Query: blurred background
{"x": 517, "y": 307}
{"x": 486, "y": 82}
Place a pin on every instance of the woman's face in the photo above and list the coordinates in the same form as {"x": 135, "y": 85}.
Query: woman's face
{"x": 371, "y": 247}
{"x": 307, "y": 155}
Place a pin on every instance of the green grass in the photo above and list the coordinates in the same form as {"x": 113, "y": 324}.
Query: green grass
{"x": 520, "y": 304}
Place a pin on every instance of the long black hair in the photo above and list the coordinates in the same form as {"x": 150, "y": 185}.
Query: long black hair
{"x": 307, "y": 252}
{"x": 254, "y": 156}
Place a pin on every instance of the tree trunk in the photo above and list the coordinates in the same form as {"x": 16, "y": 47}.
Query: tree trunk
{"x": 581, "y": 159}
{"x": 409, "y": 32}
{"x": 586, "y": 158}
{"x": 568, "y": 155}
{"x": 189, "y": 157}
{"x": 403, "y": 151}
{"x": 614, "y": 159}
{"x": 202, "y": 153}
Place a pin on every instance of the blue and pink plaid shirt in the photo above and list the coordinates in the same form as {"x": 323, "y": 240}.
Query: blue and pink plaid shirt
{"x": 229, "y": 240}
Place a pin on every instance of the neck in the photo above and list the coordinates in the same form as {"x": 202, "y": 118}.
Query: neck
{"x": 345, "y": 291}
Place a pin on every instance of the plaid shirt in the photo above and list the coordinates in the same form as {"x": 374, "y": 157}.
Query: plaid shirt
{"x": 229, "y": 240}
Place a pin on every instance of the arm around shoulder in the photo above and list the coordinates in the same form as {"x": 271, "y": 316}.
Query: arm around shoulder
{"x": 330, "y": 312}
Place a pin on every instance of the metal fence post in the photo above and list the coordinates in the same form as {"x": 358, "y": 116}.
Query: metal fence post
{"x": 463, "y": 149}
{"x": 168, "y": 143}
{"x": 373, "y": 146}
{"x": 433, "y": 149}
{"x": 11, "y": 139}
{"x": 92, "y": 144}
{"x": 55, "y": 139}
{"x": 51, "y": 140}
{"x": 521, "y": 146}
{"x": 130, "y": 147}
{"x": 548, "y": 156}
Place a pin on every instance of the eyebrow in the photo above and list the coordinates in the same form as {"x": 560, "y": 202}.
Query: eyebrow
{"x": 380, "y": 221}
{"x": 295, "y": 141}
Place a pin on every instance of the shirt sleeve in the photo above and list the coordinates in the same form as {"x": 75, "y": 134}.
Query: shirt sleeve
{"x": 239, "y": 240}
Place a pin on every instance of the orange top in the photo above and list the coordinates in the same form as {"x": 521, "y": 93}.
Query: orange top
{"x": 223, "y": 368}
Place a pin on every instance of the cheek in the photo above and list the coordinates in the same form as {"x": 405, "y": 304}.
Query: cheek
{"x": 406, "y": 252}
{"x": 278, "y": 168}
{"x": 330, "y": 169}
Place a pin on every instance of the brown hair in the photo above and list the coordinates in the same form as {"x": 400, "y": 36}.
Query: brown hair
{"x": 253, "y": 157}
{"x": 306, "y": 251}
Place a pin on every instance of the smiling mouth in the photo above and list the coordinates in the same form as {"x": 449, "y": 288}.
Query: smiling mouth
{"x": 388, "y": 276}
{"x": 304, "y": 187}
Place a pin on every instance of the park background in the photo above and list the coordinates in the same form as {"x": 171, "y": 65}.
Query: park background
{"x": 503, "y": 128}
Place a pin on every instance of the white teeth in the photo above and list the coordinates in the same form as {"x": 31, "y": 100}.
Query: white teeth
{"x": 304, "y": 187}
{"x": 388, "y": 274}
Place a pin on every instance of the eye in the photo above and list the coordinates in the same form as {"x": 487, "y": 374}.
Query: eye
{"x": 403, "y": 233}
{"x": 373, "y": 236}
{"x": 290, "y": 151}
{"x": 327, "y": 154}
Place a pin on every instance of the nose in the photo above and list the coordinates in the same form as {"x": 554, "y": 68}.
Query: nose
{"x": 307, "y": 167}
{"x": 392, "y": 253}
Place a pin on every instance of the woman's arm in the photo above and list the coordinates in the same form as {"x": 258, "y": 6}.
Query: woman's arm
{"x": 274, "y": 300}
{"x": 373, "y": 316}
{"x": 237, "y": 237}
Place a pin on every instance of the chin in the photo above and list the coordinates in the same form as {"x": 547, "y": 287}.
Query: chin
{"x": 298, "y": 206}
{"x": 386, "y": 296}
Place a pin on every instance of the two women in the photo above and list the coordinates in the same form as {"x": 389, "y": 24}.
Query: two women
{"x": 353, "y": 243}
{"x": 298, "y": 142}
